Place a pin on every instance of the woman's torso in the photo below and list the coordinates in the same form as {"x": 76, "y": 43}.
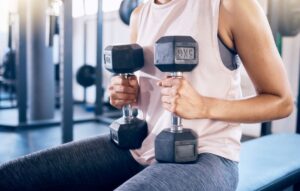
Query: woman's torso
{"x": 199, "y": 19}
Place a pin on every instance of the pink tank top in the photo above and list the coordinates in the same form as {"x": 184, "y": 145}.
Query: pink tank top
{"x": 199, "y": 19}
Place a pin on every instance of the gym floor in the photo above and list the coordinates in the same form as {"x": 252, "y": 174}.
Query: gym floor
{"x": 21, "y": 142}
{"x": 16, "y": 144}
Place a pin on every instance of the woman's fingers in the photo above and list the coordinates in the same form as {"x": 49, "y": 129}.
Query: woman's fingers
{"x": 170, "y": 82}
{"x": 169, "y": 91}
{"x": 123, "y": 91}
{"x": 123, "y": 96}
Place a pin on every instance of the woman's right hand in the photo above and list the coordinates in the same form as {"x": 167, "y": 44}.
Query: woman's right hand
{"x": 123, "y": 91}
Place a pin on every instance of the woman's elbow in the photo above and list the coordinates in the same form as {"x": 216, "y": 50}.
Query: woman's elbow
{"x": 286, "y": 106}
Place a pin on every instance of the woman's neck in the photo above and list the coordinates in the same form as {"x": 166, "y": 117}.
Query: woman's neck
{"x": 160, "y": 2}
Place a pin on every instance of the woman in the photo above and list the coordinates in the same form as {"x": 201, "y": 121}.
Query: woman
{"x": 208, "y": 99}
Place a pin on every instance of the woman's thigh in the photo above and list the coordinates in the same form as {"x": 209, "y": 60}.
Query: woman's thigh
{"x": 91, "y": 164}
{"x": 210, "y": 173}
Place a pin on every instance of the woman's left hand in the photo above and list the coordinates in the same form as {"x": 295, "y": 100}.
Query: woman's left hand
{"x": 180, "y": 98}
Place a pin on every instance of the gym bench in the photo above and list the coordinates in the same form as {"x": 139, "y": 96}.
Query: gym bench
{"x": 270, "y": 163}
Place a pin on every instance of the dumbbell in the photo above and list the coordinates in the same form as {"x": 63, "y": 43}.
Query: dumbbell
{"x": 128, "y": 132}
{"x": 176, "y": 54}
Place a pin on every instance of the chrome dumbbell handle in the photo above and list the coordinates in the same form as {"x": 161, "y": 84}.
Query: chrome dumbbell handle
{"x": 176, "y": 121}
{"x": 127, "y": 109}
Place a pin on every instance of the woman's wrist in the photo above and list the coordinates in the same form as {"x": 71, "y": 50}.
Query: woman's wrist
{"x": 200, "y": 108}
{"x": 212, "y": 108}
{"x": 204, "y": 108}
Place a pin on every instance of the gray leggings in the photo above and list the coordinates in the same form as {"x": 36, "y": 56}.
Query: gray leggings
{"x": 97, "y": 164}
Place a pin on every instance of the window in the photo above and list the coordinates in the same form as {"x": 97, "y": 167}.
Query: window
{"x": 90, "y": 7}
{"x": 4, "y": 9}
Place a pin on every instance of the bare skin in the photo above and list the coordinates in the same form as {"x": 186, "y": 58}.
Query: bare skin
{"x": 123, "y": 91}
{"x": 243, "y": 26}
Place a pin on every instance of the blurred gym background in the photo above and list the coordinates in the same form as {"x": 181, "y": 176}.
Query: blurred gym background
{"x": 53, "y": 86}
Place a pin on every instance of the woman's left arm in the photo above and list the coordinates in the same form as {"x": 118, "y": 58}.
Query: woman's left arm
{"x": 253, "y": 40}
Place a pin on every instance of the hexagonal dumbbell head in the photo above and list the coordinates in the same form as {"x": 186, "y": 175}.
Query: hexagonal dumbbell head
{"x": 129, "y": 135}
{"x": 123, "y": 59}
{"x": 176, "y": 147}
{"x": 176, "y": 54}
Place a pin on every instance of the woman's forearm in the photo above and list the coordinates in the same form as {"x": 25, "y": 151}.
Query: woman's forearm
{"x": 264, "y": 107}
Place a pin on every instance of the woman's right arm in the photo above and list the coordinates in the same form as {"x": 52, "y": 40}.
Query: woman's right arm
{"x": 123, "y": 91}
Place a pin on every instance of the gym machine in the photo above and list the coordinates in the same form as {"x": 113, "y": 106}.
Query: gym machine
{"x": 8, "y": 71}
{"x": 31, "y": 113}
{"x": 33, "y": 82}
{"x": 127, "y": 132}
{"x": 176, "y": 54}
{"x": 86, "y": 74}
{"x": 27, "y": 83}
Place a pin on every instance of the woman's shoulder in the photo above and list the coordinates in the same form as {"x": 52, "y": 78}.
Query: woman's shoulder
{"x": 134, "y": 22}
{"x": 236, "y": 5}
{"x": 135, "y": 14}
